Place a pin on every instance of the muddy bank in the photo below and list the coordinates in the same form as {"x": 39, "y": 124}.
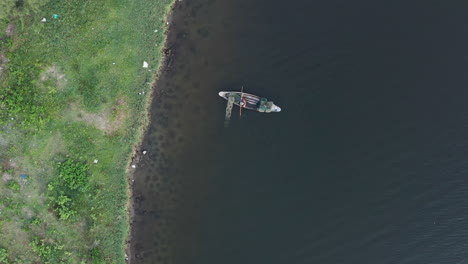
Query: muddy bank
{"x": 138, "y": 151}
{"x": 169, "y": 178}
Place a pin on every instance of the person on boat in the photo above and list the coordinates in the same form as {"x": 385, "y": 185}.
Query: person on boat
{"x": 243, "y": 103}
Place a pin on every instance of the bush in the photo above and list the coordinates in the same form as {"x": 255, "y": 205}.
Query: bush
{"x": 96, "y": 256}
{"x": 49, "y": 253}
{"x": 14, "y": 186}
{"x": 61, "y": 204}
{"x": 74, "y": 174}
{"x": 64, "y": 207}
{"x": 3, "y": 255}
{"x": 68, "y": 188}
{"x": 36, "y": 222}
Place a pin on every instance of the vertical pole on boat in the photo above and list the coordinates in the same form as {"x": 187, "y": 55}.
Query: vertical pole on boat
{"x": 240, "y": 102}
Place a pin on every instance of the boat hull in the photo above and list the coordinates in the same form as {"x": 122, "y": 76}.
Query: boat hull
{"x": 251, "y": 101}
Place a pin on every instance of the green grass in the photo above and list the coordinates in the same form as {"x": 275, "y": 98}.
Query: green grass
{"x": 72, "y": 93}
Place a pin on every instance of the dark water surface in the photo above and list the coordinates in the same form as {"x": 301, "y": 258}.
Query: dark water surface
{"x": 367, "y": 163}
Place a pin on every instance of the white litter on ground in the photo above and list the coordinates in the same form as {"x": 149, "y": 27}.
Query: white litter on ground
{"x": 95, "y": 161}
{"x": 145, "y": 64}
{"x": 44, "y": 19}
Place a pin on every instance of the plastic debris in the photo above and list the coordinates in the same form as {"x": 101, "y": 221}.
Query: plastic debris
{"x": 44, "y": 19}
{"x": 155, "y": 30}
{"x": 144, "y": 152}
{"x": 55, "y": 16}
{"x": 145, "y": 64}
{"x": 133, "y": 166}
{"x": 95, "y": 161}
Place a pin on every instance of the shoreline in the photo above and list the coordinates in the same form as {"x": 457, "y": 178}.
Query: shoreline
{"x": 91, "y": 110}
{"x": 137, "y": 152}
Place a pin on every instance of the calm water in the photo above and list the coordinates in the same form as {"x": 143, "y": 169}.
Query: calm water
{"x": 367, "y": 163}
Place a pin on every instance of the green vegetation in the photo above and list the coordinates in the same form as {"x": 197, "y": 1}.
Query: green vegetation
{"x": 74, "y": 174}
{"x": 3, "y": 255}
{"x": 73, "y": 98}
{"x": 49, "y": 253}
{"x": 10, "y": 9}
{"x": 13, "y": 185}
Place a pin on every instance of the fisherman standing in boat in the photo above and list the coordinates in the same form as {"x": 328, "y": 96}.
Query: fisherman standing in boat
{"x": 242, "y": 103}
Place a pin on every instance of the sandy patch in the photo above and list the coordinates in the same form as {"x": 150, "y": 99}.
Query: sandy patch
{"x": 108, "y": 121}
{"x": 27, "y": 212}
{"x": 10, "y": 30}
{"x": 12, "y": 164}
{"x": 6, "y": 177}
{"x": 55, "y": 74}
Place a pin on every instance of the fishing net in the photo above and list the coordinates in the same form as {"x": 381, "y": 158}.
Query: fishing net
{"x": 230, "y": 103}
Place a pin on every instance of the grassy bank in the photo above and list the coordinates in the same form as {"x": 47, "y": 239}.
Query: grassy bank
{"x": 73, "y": 94}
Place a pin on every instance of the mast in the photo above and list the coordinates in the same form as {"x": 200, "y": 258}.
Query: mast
{"x": 240, "y": 102}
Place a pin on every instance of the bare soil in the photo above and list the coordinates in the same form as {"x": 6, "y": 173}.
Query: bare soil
{"x": 10, "y": 30}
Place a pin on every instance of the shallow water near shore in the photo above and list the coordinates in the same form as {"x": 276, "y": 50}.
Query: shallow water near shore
{"x": 366, "y": 163}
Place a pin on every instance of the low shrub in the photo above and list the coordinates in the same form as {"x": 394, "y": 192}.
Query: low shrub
{"x": 49, "y": 253}
{"x": 68, "y": 189}
{"x": 14, "y": 186}
{"x": 74, "y": 174}
{"x": 96, "y": 256}
{"x": 3, "y": 256}
{"x": 64, "y": 207}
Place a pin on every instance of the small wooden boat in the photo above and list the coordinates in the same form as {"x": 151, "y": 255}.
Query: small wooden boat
{"x": 250, "y": 101}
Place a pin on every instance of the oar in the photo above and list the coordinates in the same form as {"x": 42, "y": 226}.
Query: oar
{"x": 240, "y": 102}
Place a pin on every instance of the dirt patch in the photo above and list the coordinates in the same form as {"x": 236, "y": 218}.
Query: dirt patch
{"x": 10, "y": 30}
{"x": 11, "y": 164}
{"x": 108, "y": 121}
{"x": 54, "y": 73}
{"x": 6, "y": 177}
{"x": 3, "y": 141}
{"x": 27, "y": 212}
{"x": 56, "y": 144}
